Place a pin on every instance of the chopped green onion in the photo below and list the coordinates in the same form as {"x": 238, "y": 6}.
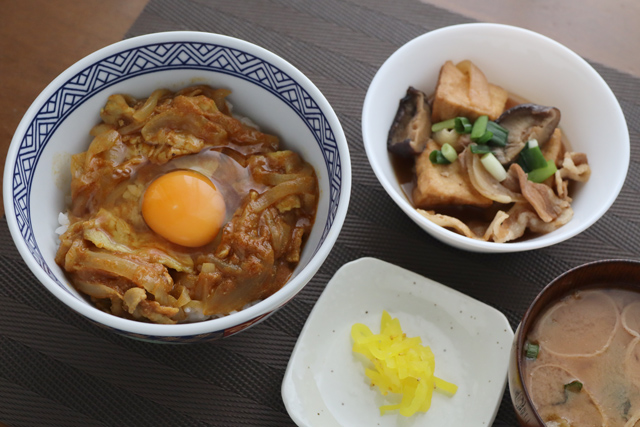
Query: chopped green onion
{"x": 480, "y": 149}
{"x": 496, "y": 128}
{"x": 531, "y": 350}
{"x": 493, "y": 166}
{"x": 498, "y": 140}
{"x": 463, "y": 125}
{"x": 532, "y": 156}
{"x": 447, "y": 124}
{"x": 500, "y": 134}
{"x": 541, "y": 174}
{"x": 437, "y": 158}
{"x": 574, "y": 386}
{"x": 449, "y": 153}
{"x": 523, "y": 165}
{"x": 485, "y": 138}
{"x": 479, "y": 127}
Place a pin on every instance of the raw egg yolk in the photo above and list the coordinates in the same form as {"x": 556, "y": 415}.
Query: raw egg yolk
{"x": 184, "y": 207}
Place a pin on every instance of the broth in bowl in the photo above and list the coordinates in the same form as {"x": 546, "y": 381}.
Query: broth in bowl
{"x": 575, "y": 360}
{"x": 582, "y": 365}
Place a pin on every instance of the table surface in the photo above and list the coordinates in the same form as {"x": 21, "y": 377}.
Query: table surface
{"x": 42, "y": 38}
{"x": 39, "y": 39}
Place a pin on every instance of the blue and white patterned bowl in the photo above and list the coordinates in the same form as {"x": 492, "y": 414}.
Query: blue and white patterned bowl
{"x": 266, "y": 88}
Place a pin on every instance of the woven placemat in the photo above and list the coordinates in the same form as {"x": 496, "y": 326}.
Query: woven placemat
{"x": 57, "y": 369}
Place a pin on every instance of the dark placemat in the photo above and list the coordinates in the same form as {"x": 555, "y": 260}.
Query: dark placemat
{"x": 57, "y": 369}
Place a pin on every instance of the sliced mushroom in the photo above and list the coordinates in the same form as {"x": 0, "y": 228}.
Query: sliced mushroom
{"x": 411, "y": 127}
{"x": 525, "y": 122}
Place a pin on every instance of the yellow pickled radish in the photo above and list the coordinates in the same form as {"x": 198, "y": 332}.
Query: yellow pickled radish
{"x": 399, "y": 365}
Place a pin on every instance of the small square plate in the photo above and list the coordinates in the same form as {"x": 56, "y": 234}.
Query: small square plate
{"x": 324, "y": 384}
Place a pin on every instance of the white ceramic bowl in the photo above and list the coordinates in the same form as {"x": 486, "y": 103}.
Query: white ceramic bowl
{"x": 264, "y": 87}
{"x": 529, "y": 65}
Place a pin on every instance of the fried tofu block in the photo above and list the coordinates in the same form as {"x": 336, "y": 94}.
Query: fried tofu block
{"x": 463, "y": 90}
{"x": 442, "y": 185}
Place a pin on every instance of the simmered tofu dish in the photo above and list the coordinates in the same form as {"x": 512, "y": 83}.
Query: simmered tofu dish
{"x": 482, "y": 162}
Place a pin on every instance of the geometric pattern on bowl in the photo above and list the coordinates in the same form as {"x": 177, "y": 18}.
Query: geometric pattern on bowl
{"x": 154, "y": 58}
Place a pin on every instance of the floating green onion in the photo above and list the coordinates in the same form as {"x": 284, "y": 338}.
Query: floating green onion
{"x": 574, "y": 386}
{"x": 532, "y": 156}
{"x": 531, "y": 350}
{"x": 500, "y": 134}
{"x": 485, "y": 138}
{"x": 480, "y": 149}
{"x": 446, "y": 124}
{"x": 462, "y": 125}
{"x": 479, "y": 127}
{"x": 541, "y": 174}
{"x": 493, "y": 166}
{"x": 449, "y": 152}
{"x": 437, "y": 158}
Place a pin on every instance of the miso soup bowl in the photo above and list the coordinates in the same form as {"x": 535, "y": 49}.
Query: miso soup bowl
{"x": 527, "y": 64}
{"x": 622, "y": 274}
{"x": 265, "y": 88}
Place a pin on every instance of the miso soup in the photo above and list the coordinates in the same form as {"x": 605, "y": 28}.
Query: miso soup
{"x": 583, "y": 360}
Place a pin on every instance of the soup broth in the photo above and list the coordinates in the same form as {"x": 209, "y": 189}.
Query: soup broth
{"x": 587, "y": 368}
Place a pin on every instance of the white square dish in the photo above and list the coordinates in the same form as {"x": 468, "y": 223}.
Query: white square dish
{"x": 324, "y": 384}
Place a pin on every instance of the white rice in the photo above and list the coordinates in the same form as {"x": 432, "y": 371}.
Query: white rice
{"x": 63, "y": 221}
{"x": 245, "y": 120}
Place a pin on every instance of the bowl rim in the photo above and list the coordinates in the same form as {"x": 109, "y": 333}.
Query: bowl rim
{"x": 249, "y": 315}
{"x": 529, "y": 316}
{"x": 451, "y": 237}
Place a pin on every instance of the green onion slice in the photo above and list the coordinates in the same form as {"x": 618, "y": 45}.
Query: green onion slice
{"x": 488, "y": 135}
{"x": 531, "y": 350}
{"x": 449, "y": 152}
{"x": 463, "y": 125}
{"x": 493, "y": 166}
{"x": 523, "y": 165}
{"x": 541, "y": 174}
{"x": 500, "y": 134}
{"x": 446, "y": 124}
{"x": 496, "y": 128}
{"x": 479, "y": 128}
{"x": 574, "y": 386}
{"x": 498, "y": 140}
{"x": 532, "y": 156}
{"x": 480, "y": 149}
{"x": 437, "y": 158}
